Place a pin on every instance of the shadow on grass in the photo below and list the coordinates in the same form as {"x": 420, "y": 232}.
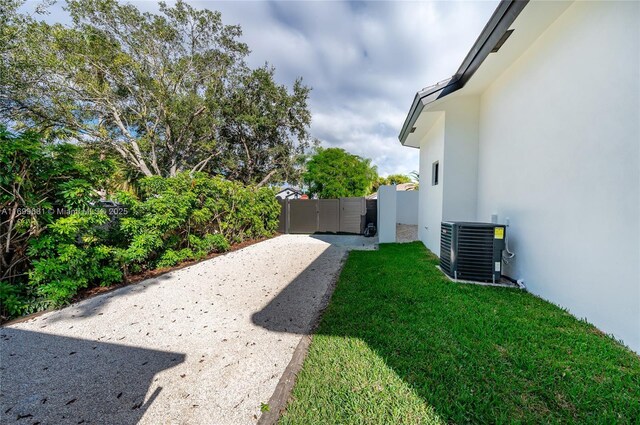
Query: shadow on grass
{"x": 296, "y": 308}
{"x": 472, "y": 354}
{"x": 51, "y": 379}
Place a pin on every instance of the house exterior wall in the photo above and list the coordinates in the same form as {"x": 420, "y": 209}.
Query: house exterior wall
{"x": 460, "y": 175}
{"x": 559, "y": 155}
{"x": 407, "y": 206}
{"x": 430, "y": 196}
{"x": 387, "y": 217}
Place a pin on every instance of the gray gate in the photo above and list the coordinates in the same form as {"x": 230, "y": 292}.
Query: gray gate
{"x": 344, "y": 215}
{"x": 303, "y": 216}
{"x": 353, "y": 212}
{"x": 329, "y": 215}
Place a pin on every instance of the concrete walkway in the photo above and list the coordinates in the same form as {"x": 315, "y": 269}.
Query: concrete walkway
{"x": 202, "y": 345}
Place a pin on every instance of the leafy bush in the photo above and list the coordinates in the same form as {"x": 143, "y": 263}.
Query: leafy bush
{"x": 175, "y": 219}
{"x": 189, "y": 216}
{"x": 71, "y": 255}
{"x": 37, "y": 180}
{"x": 13, "y": 301}
{"x": 200, "y": 249}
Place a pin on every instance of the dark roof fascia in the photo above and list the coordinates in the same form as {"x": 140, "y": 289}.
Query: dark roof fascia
{"x": 499, "y": 23}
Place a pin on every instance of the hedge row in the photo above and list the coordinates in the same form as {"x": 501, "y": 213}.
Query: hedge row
{"x": 171, "y": 220}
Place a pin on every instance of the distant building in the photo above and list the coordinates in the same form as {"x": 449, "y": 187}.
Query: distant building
{"x": 290, "y": 193}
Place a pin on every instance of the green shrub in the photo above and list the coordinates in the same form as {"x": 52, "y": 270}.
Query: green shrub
{"x": 12, "y": 300}
{"x": 199, "y": 249}
{"x": 37, "y": 180}
{"x": 209, "y": 243}
{"x": 172, "y": 257}
{"x": 189, "y": 216}
{"x": 173, "y": 220}
{"x": 72, "y": 255}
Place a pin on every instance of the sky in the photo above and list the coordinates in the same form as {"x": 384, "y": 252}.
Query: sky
{"x": 364, "y": 60}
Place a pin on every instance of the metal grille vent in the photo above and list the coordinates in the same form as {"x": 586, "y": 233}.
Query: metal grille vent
{"x": 475, "y": 253}
{"x": 446, "y": 237}
{"x": 472, "y": 251}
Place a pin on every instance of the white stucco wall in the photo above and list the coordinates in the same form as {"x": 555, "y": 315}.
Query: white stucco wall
{"x": 407, "y": 206}
{"x": 461, "y": 158}
{"x": 430, "y": 197}
{"x": 387, "y": 217}
{"x": 559, "y": 155}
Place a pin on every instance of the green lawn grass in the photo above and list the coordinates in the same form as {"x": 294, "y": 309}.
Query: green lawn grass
{"x": 399, "y": 343}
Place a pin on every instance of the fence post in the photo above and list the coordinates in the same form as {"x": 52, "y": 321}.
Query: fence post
{"x": 286, "y": 217}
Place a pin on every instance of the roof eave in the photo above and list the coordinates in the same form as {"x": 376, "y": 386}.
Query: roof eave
{"x": 500, "y": 21}
{"x": 422, "y": 99}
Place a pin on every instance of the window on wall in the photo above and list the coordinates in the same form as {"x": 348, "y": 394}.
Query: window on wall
{"x": 435, "y": 173}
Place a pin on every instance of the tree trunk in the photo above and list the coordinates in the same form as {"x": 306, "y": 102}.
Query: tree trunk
{"x": 266, "y": 178}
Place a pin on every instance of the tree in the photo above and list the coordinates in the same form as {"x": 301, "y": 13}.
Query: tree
{"x": 391, "y": 179}
{"x": 415, "y": 176}
{"x": 157, "y": 89}
{"x": 380, "y": 181}
{"x": 261, "y": 123}
{"x": 398, "y": 179}
{"x": 335, "y": 173}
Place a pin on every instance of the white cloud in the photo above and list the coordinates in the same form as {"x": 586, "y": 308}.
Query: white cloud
{"x": 364, "y": 60}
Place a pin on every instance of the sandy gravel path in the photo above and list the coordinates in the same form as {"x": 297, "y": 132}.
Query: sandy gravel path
{"x": 202, "y": 345}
